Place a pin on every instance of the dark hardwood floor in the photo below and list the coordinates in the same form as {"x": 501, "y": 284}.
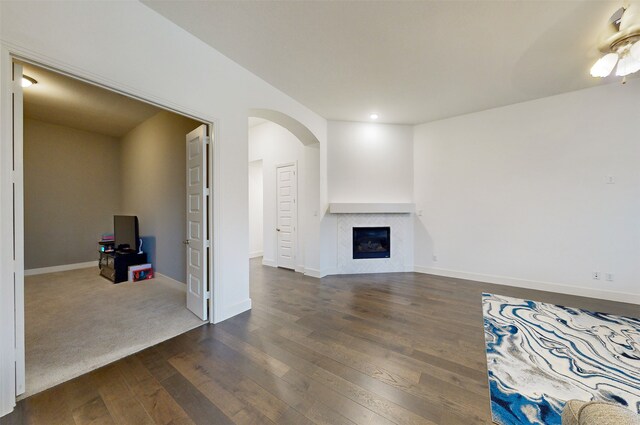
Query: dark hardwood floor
{"x": 399, "y": 348}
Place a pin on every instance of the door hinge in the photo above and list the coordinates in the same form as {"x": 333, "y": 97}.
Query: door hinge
{"x": 207, "y": 295}
{"x": 207, "y": 140}
{"x": 207, "y": 244}
{"x": 207, "y": 192}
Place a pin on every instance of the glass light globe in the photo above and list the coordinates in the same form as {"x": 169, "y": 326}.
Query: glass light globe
{"x": 603, "y": 67}
{"x": 627, "y": 65}
{"x": 635, "y": 50}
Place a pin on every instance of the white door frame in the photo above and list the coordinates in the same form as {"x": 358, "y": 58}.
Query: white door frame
{"x": 8, "y": 290}
{"x": 296, "y": 227}
{"x": 7, "y": 286}
{"x": 18, "y": 223}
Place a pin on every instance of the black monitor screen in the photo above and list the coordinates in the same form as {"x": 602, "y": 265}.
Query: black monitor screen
{"x": 125, "y": 229}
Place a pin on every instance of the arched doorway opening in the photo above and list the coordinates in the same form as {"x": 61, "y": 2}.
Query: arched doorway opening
{"x": 284, "y": 191}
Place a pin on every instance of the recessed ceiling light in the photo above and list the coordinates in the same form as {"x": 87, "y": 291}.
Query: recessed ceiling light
{"x": 28, "y": 81}
{"x": 373, "y": 116}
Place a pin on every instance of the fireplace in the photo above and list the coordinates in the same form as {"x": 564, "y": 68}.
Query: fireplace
{"x": 371, "y": 242}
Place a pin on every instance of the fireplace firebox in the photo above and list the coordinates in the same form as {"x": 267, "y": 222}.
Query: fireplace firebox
{"x": 371, "y": 242}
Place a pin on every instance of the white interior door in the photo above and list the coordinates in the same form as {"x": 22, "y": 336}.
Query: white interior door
{"x": 197, "y": 242}
{"x": 287, "y": 204}
{"x": 18, "y": 225}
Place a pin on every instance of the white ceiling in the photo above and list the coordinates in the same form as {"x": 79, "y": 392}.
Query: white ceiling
{"x": 62, "y": 100}
{"x": 411, "y": 62}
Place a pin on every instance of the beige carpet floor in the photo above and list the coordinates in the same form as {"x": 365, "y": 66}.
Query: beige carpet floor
{"x": 77, "y": 321}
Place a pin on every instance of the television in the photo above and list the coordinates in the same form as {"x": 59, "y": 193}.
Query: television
{"x": 126, "y": 233}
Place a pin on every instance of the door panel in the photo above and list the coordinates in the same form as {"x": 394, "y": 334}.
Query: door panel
{"x": 196, "y": 204}
{"x": 286, "y": 177}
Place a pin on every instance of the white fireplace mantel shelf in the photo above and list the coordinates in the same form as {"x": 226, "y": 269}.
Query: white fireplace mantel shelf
{"x": 371, "y": 208}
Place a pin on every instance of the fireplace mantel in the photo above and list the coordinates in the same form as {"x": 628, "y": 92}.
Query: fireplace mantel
{"x": 371, "y": 208}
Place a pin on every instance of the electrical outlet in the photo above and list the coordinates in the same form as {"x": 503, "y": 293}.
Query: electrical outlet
{"x": 608, "y": 277}
{"x": 595, "y": 276}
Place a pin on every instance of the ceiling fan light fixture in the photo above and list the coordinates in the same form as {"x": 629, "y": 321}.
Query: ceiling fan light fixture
{"x": 619, "y": 42}
{"x": 627, "y": 65}
{"x": 634, "y": 51}
{"x": 603, "y": 67}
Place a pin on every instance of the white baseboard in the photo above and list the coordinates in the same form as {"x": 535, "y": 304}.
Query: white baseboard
{"x": 62, "y": 268}
{"x": 531, "y": 284}
{"x": 272, "y": 263}
{"x": 255, "y": 254}
{"x": 269, "y": 262}
{"x": 234, "y": 310}
{"x": 172, "y": 280}
{"x": 312, "y": 273}
{"x": 322, "y": 273}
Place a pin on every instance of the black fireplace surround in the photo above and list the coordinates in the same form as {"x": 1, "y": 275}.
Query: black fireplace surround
{"x": 371, "y": 242}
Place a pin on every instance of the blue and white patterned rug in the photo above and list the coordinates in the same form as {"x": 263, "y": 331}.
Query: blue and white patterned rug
{"x": 541, "y": 355}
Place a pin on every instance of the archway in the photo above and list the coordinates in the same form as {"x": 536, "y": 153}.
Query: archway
{"x": 280, "y": 145}
{"x": 304, "y": 135}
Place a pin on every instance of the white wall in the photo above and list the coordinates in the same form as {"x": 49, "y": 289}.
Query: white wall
{"x": 518, "y": 194}
{"x": 370, "y": 162}
{"x": 274, "y": 145}
{"x": 129, "y": 46}
{"x": 256, "y": 222}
